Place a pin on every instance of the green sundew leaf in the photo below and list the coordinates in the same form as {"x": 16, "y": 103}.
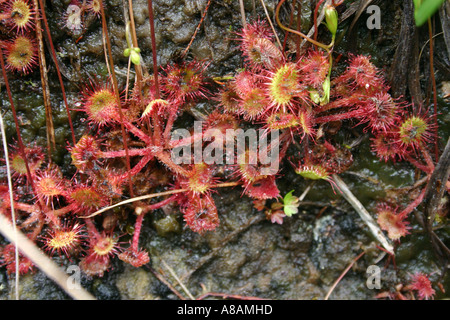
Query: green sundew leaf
{"x": 326, "y": 91}
{"x": 424, "y": 9}
{"x": 290, "y": 204}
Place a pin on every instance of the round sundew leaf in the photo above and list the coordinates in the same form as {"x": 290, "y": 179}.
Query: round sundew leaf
{"x": 21, "y": 54}
{"x": 283, "y": 84}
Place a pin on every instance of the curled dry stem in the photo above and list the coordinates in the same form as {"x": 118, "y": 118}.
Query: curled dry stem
{"x": 277, "y": 18}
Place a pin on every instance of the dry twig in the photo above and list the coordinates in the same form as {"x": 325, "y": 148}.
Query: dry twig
{"x": 44, "y": 263}
{"x": 365, "y": 216}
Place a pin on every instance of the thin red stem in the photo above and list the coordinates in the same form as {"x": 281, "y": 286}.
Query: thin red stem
{"x": 343, "y": 274}
{"x": 338, "y": 117}
{"x": 166, "y": 158}
{"x": 138, "y": 167}
{"x": 433, "y": 81}
{"x": 413, "y": 204}
{"x": 153, "y": 195}
{"x": 24, "y": 207}
{"x": 16, "y": 122}
{"x": 186, "y": 141}
{"x": 137, "y": 132}
{"x": 157, "y": 132}
{"x": 291, "y": 19}
{"x": 92, "y": 229}
{"x": 169, "y": 123}
{"x": 418, "y": 165}
{"x": 58, "y": 71}
{"x": 428, "y": 159}
{"x": 161, "y": 204}
{"x": 116, "y": 90}
{"x": 316, "y": 10}
{"x": 121, "y": 153}
{"x": 277, "y": 18}
{"x": 64, "y": 210}
{"x": 340, "y": 103}
{"x": 299, "y": 28}
{"x": 137, "y": 232}
{"x": 19, "y": 138}
{"x": 154, "y": 55}
{"x": 227, "y": 296}
{"x": 197, "y": 29}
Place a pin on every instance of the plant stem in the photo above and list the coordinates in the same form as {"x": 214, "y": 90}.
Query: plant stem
{"x": 116, "y": 90}
{"x": 428, "y": 159}
{"x": 277, "y": 18}
{"x": 433, "y": 81}
{"x": 413, "y": 204}
{"x": 163, "y": 202}
{"x": 19, "y": 136}
{"x": 343, "y": 274}
{"x": 315, "y": 19}
{"x": 137, "y": 232}
{"x": 338, "y": 116}
{"x": 291, "y": 19}
{"x": 178, "y": 280}
{"x": 271, "y": 25}
{"x": 169, "y": 125}
{"x": 155, "y": 119}
{"x": 51, "y": 143}
{"x": 137, "y": 132}
{"x": 138, "y": 68}
{"x": 243, "y": 19}
{"x": 186, "y": 141}
{"x": 154, "y": 55}
{"x": 58, "y": 71}
{"x": 299, "y": 29}
{"x": 44, "y": 263}
{"x": 138, "y": 167}
{"x": 92, "y": 229}
{"x": 11, "y": 199}
{"x": 121, "y": 153}
{"x": 196, "y": 29}
{"x": 144, "y": 197}
{"x": 418, "y": 165}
